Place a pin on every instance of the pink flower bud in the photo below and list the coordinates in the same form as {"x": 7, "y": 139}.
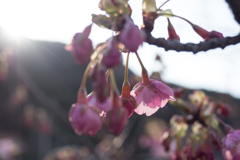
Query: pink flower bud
{"x": 84, "y": 119}
{"x": 116, "y": 118}
{"x": 172, "y": 33}
{"x": 207, "y": 35}
{"x": 178, "y": 92}
{"x": 101, "y": 87}
{"x": 111, "y": 56}
{"x": 200, "y": 31}
{"x": 93, "y": 101}
{"x": 131, "y": 36}
{"x": 151, "y": 96}
{"x": 223, "y": 109}
{"x": 231, "y": 145}
{"x": 214, "y": 34}
{"x": 81, "y": 46}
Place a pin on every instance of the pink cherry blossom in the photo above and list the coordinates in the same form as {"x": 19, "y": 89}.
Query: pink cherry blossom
{"x": 231, "y": 145}
{"x": 131, "y": 36}
{"x": 84, "y": 119}
{"x": 111, "y": 56}
{"x": 151, "y": 96}
{"x": 93, "y": 101}
{"x": 116, "y": 118}
{"x": 81, "y": 46}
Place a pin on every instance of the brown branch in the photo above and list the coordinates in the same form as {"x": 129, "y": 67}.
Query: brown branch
{"x": 148, "y": 20}
{"x": 191, "y": 47}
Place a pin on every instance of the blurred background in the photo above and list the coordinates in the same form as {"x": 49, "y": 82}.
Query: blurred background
{"x": 39, "y": 79}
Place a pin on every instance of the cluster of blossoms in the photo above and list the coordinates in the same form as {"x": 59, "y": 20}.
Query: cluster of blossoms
{"x": 200, "y": 129}
{"x": 104, "y": 105}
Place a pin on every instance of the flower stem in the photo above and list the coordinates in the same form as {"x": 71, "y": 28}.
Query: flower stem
{"x": 126, "y": 69}
{"x": 85, "y": 75}
{"x": 113, "y": 81}
{"x": 140, "y": 61}
{"x": 145, "y": 77}
{"x": 126, "y": 84}
{"x": 166, "y": 14}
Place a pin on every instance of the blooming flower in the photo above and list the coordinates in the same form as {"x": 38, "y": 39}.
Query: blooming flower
{"x": 131, "y": 36}
{"x": 231, "y": 145}
{"x": 151, "y": 96}
{"x": 83, "y": 117}
{"x": 81, "y": 46}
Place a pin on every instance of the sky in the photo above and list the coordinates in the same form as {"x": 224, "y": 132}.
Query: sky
{"x": 214, "y": 70}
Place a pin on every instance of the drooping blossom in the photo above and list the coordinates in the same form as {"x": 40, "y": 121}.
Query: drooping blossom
{"x": 231, "y": 145}
{"x": 84, "y": 118}
{"x": 116, "y": 118}
{"x": 172, "y": 35}
{"x": 93, "y": 101}
{"x": 111, "y": 55}
{"x": 151, "y": 95}
{"x": 205, "y": 34}
{"x": 131, "y": 36}
{"x": 81, "y": 46}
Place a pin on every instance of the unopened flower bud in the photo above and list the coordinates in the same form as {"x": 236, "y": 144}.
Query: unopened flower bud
{"x": 116, "y": 118}
{"x": 178, "y": 92}
{"x": 172, "y": 33}
{"x": 81, "y": 46}
{"x": 200, "y": 31}
{"x": 214, "y": 34}
{"x": 205, "y": 34}
{"x": 223, "y": 109}
{"x": 131, "y": 36}
{"x": 111, "y": 55}
{"x": 83, "y": 117}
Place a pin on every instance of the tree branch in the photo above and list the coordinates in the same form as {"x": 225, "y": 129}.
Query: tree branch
{"x": 191, "y": 47}
{"x": 148, "y": 20}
